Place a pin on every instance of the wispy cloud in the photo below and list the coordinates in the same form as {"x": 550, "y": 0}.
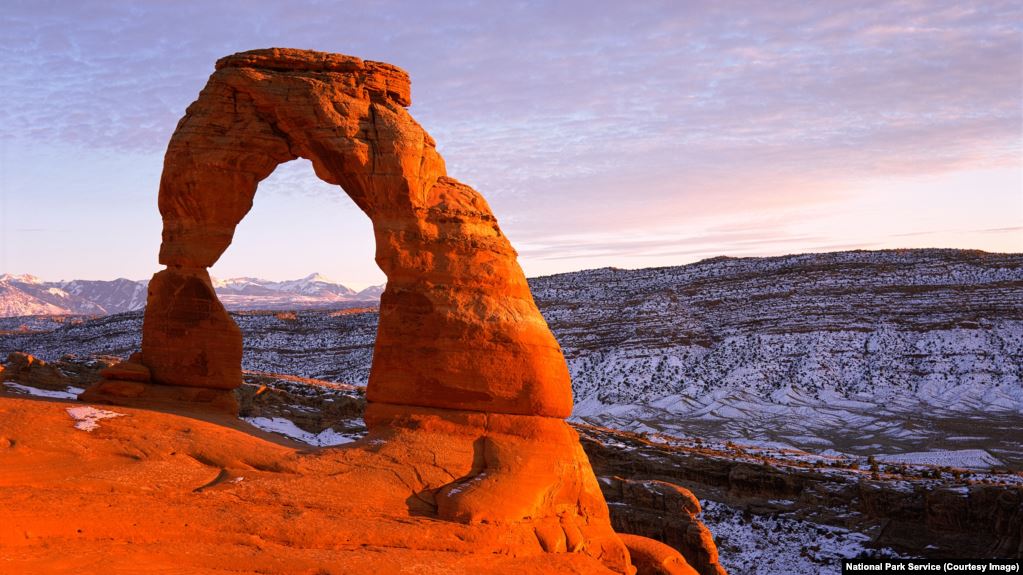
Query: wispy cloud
{"x": 572, "y": 117}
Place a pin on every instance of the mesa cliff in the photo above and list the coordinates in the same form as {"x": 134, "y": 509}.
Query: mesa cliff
{"x": 468, "y": 450}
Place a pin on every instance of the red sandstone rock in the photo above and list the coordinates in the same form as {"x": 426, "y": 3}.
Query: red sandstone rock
{"x": 127, "y": 371}
{"x": 21, "y": 364}
{"x": 458, "y": 326}
{"x": 187, "y": 336}
{"x": 29, "y": 370}
{"x": 145, "y": 394}
{"x": 655, "y": 558}
{"x": 500, "y": 470}
{"x": 668, "y": 513}
{"x": 155, "y": 492}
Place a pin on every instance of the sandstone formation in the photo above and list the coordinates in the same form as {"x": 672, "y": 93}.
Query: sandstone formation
{"x": 468, "y": 389}
{"x": 458, "y": 327}
{"x": 666, "y": 513}
{"x": 656, "y": 558}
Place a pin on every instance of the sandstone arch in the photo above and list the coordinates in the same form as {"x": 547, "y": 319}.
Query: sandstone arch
{"x": 468, "y": 390}
{"x": 458, "y": 326}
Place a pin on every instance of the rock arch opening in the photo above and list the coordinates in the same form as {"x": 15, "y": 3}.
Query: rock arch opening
{"x": 458, "y": 326}
{"x": 300, "y": 225}
{"x": 300, "y": 280}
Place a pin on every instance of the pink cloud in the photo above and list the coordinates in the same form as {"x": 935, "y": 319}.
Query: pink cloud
{"x": 569, "y": 116}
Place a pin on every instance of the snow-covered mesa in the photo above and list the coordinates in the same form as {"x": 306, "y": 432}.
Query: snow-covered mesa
{"x": 865, "y": 352}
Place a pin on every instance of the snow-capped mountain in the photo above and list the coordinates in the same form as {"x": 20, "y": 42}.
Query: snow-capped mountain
{"x": 28, "y": 295}
{"x": 22, "y": 295}
{"x": 311, "y": 285}
{"x": 315, "y": 285}
{"x": 112, "y": 296}
{"x": 372, "y": 292}
{"x": 312, "y": 291}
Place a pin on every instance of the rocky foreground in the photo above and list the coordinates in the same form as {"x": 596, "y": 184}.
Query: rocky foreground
{"x": 819, "y": 406}
{"x": 110, "y": 490}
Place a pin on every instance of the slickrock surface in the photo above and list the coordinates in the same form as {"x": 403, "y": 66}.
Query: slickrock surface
{"x": 151, "y": 492}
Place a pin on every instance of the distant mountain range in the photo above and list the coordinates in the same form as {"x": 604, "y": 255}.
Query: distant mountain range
{"x": 28, "y": 295}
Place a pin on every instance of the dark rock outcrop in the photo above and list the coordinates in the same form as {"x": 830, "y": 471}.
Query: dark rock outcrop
{"x": 914, "y": 515}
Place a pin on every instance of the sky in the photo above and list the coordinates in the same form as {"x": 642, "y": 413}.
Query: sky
{"x": 627, "y": 134}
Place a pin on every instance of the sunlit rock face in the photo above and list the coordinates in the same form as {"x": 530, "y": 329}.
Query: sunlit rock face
{"x": 458, "y": 326}
{"x": 468, "y": 390}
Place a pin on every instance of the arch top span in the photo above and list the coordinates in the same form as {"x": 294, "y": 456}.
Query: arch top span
{"x": 458, "y": 326}
{"x": 380, "y": 79}
{"x": 262, "y": 108}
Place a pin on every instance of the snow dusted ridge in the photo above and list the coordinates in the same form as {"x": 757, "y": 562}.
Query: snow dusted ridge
{"x": 28, "y": 295}
{"x": 868, "y": 353}
{"x": 908, "y": 351}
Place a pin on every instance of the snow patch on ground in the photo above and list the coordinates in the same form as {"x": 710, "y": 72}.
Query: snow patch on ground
{"x": 87, "y": 418}
{"x": 70, "y": 393}
{"x": 752, "y": 544}
{"x": 288, "y": 428}
{"x": 964, "y": 458}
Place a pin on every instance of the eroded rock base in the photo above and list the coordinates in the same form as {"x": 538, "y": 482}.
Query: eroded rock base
{"x": 655, "y": 558}
{"x": 158, "y": 396}
{"x": 523, "y": 472}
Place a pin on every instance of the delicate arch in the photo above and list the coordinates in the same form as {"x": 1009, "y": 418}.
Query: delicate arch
{"x": 458, "y": 325}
